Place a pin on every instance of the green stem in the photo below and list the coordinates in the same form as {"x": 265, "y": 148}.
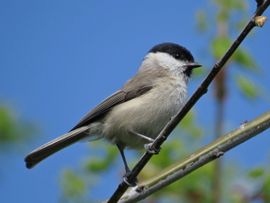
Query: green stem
{"x": 203, "y": 156}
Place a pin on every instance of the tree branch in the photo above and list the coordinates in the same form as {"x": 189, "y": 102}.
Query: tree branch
{"x": 155, "y": 146}
{"x": 200, "y": 158}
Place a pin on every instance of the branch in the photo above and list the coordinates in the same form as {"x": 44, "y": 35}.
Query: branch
{"x": 163, "y": 135}
{"x": 200, "y": 158}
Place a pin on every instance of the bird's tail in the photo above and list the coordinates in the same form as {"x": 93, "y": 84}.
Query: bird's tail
{"x": 55, "y": 145}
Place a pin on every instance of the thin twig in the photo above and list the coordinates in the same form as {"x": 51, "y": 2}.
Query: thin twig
{"x": 203, "y": 156}
{"x": 123, "y": 186}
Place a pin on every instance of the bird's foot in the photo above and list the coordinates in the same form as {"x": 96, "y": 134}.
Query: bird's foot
{"x": 150, "y": 149}
{"x": 132, "y": 182}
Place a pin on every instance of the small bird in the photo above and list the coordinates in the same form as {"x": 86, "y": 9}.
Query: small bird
{"x": 134, "y": 115}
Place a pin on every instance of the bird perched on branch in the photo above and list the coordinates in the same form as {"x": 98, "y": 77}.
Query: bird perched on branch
{"x": 134, "y": 115}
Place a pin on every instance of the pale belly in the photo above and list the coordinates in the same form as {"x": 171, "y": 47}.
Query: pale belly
{"x": 146, "y": 115}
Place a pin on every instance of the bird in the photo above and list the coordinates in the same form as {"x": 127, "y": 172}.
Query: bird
{"x": 134, "y": 115}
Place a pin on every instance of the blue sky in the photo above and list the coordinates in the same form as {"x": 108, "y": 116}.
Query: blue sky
{"x": 58, "y": 59}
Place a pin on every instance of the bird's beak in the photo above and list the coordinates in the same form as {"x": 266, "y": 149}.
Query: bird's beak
{"x": 192, "y": 65}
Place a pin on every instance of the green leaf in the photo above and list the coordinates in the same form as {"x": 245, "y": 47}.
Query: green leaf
{"x": 102, "y": 163}
{"x": 199, "y": 72}
{"x": 243, "y": 58}
{"x": 232, "y": 4}
{"x": 96, "y": 165}
{"x": 219, "y": 46}
{"x": 257, "y": 172}
{"x": 7, "y": 124}
{"x": 189, "y": 125}
{"x": 12, "y": 129}
{"x": 167, "y": 154}
{"x": 201, "y": 21}
{"x": 73, "y": 185}
{"x": 247, "y": 87}
{"x": 266, "y": 189}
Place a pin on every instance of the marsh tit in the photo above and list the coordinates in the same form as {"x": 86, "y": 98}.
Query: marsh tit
{"x": 134, "y": 115}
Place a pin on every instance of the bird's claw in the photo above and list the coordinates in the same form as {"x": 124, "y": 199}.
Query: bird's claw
{"x": 150, "y": 149}
{"x": 130, "y": 183}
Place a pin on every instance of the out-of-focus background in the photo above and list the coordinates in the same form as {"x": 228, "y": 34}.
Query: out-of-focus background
{"x": 58, "y": 59}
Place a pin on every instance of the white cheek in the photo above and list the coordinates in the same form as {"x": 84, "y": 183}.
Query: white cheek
{"x": 165, "y": 60}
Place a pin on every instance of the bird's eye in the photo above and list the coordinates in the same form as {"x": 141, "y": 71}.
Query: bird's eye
{"x": 177, "y": 56}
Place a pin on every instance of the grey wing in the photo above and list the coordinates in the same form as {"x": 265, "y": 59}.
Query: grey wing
{"x": 115, "y": 99}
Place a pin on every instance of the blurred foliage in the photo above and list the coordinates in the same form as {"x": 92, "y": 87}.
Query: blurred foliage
{"x": 97, "y": 164}
{"x": 192, "y": 188}
{"x": 247, "y": 87}
{"x": 13, "y": 130}
{"x": 195, "y": 187}
{"x": 241, "y": 57}
{"x": 187, "y": 124}
{"x": 220, "y": 45}
{"x": 77, "y": 183}
{"x": 254, "y": 188}
{"x": 244, "y": 59}
{"x": 74, "y": 185}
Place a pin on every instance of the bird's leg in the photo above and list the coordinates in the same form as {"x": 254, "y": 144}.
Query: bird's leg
{"x": 129, "y": 182}
{"x": 121, "y": 150}
{"x": 149, "y": 140}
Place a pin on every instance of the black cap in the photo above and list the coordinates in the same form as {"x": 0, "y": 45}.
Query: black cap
{"x": 179, "y": 53}
{"x": 175, "y": 50}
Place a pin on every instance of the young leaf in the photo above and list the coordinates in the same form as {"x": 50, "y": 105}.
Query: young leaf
{"x": 247, "y": 87}
{"x": 243, "y": 58}
{"x": 201, "y": 21}
{"x": 219, "y": 46}
{"x": 190, "y": 126}
{"x": 73, "y": 185}
{"x": 257, "y": 172}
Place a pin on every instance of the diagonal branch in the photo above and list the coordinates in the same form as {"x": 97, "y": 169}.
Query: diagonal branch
{"x": 199, "y": 158}
{"x": 202, "y": 89}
